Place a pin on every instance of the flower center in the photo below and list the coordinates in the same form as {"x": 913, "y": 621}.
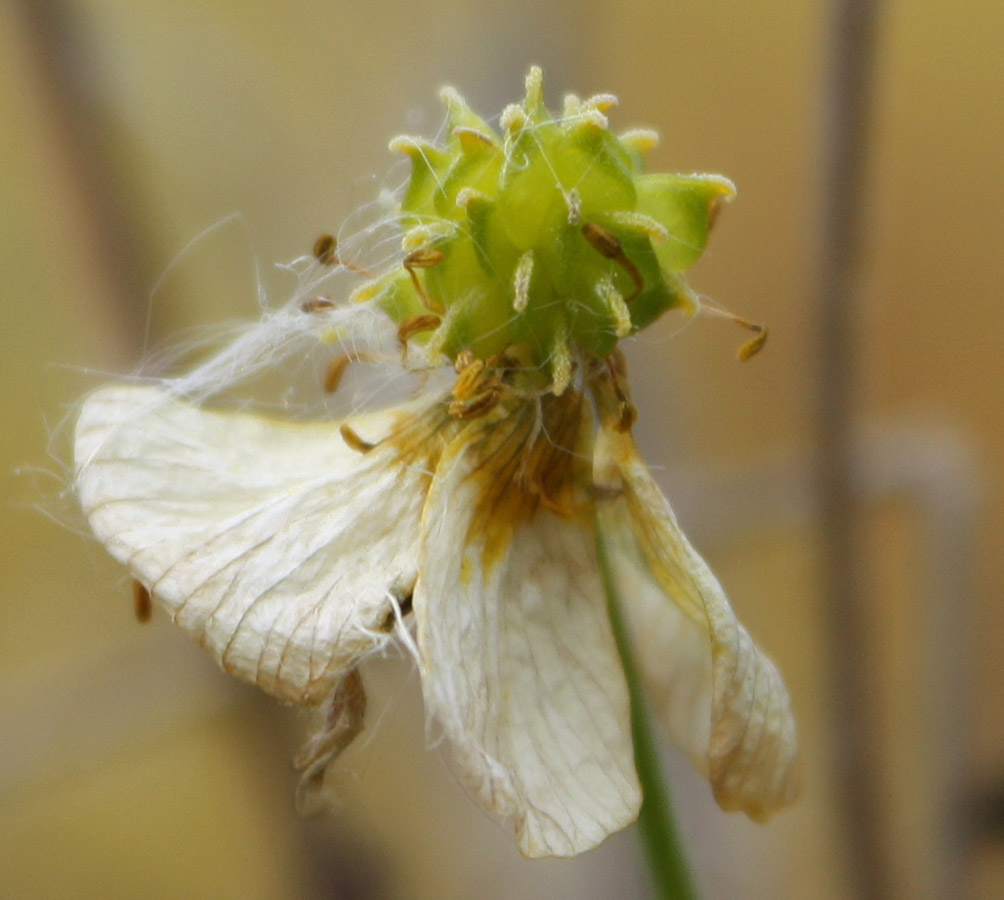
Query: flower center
{"x": 545, "y": 239}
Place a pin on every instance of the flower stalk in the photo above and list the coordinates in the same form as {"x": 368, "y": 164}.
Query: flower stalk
{"x": 664, "y": 853}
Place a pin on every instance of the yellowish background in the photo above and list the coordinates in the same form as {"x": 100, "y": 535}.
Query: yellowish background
{"x": 128, "y": 766}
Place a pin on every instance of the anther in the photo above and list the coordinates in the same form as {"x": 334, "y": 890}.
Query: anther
{"x": 354, "y": 441}
{"x": 424, "y": 258}
{"x": 335, "y": 371}
{"x": 478, "y": 405}
{"x": 753, "y": 346}
{"x": 325, "y": 248}
{"x": 325, "y": 251}
{"x": 142, "y": 604}
{"x": 317, "y": 304}
{"x": 470, "y": 371}
{"x": 608, "y": 245}
{"x": 415, "y": 325}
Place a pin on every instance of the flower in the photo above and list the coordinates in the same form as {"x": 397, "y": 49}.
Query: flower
{"x": 293, "y": 551}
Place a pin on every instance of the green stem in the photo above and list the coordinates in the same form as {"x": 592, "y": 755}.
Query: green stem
{"x": 666, "y": 861}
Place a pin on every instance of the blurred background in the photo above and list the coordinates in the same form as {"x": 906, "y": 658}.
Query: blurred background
{"x": 157, "y": 158}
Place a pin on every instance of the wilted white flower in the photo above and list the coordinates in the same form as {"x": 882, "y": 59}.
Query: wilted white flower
{"x": 293, "y": 551}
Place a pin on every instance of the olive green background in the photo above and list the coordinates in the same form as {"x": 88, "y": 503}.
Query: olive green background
{"x": 156, "y": 158}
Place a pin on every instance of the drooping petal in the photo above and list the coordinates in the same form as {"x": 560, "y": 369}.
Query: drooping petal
{"x": 279, "y": 548}
{"x": 518, "y": 661}
{"x": 723, "y": 700}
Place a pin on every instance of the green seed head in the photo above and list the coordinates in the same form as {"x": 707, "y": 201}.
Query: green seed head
{"x": 547, "y": 238}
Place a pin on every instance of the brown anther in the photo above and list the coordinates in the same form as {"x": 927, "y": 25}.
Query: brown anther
{"x": 141, "y": 602}
{"x": 333, "y": 374}
{"x": 424, "y": 258}
{"x": 608, "y": 245}
{"x": 316, "y": 304}
{"x": 415, "y": 325}
{"x": 336, "y": 369}
{"x": 354, "y": 441}
{"x": 325, "y": 249}
{"x": 751, "y": 347}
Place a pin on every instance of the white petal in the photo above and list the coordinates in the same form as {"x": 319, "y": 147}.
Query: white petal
{"x": 723, "y": 700}
{"x": 518, "y": 660}
{"x": 275, "y": 545}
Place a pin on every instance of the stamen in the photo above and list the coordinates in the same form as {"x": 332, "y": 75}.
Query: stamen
{"x": 608, "y": 245}
{"x": 326, "y": 253}
{"x": 478, "y": 387}
{"x": 753, "y": 346}
{"x": 424, "y": 258}
{"x": 354, "y": 441}
{"x": 479, "y": 405}
{"x": 317, "y": 304}
{"x": 337, "y": 366}
{"x": 333, "y": 375}
{"x": 324, "y": 249}
{"x": 415, "y": 325}
{"x": 469, "y": 370}
{"x": 142, "y": 604}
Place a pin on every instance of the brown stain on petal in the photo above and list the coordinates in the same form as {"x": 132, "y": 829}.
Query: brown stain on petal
{"x": 537, "y": 458}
